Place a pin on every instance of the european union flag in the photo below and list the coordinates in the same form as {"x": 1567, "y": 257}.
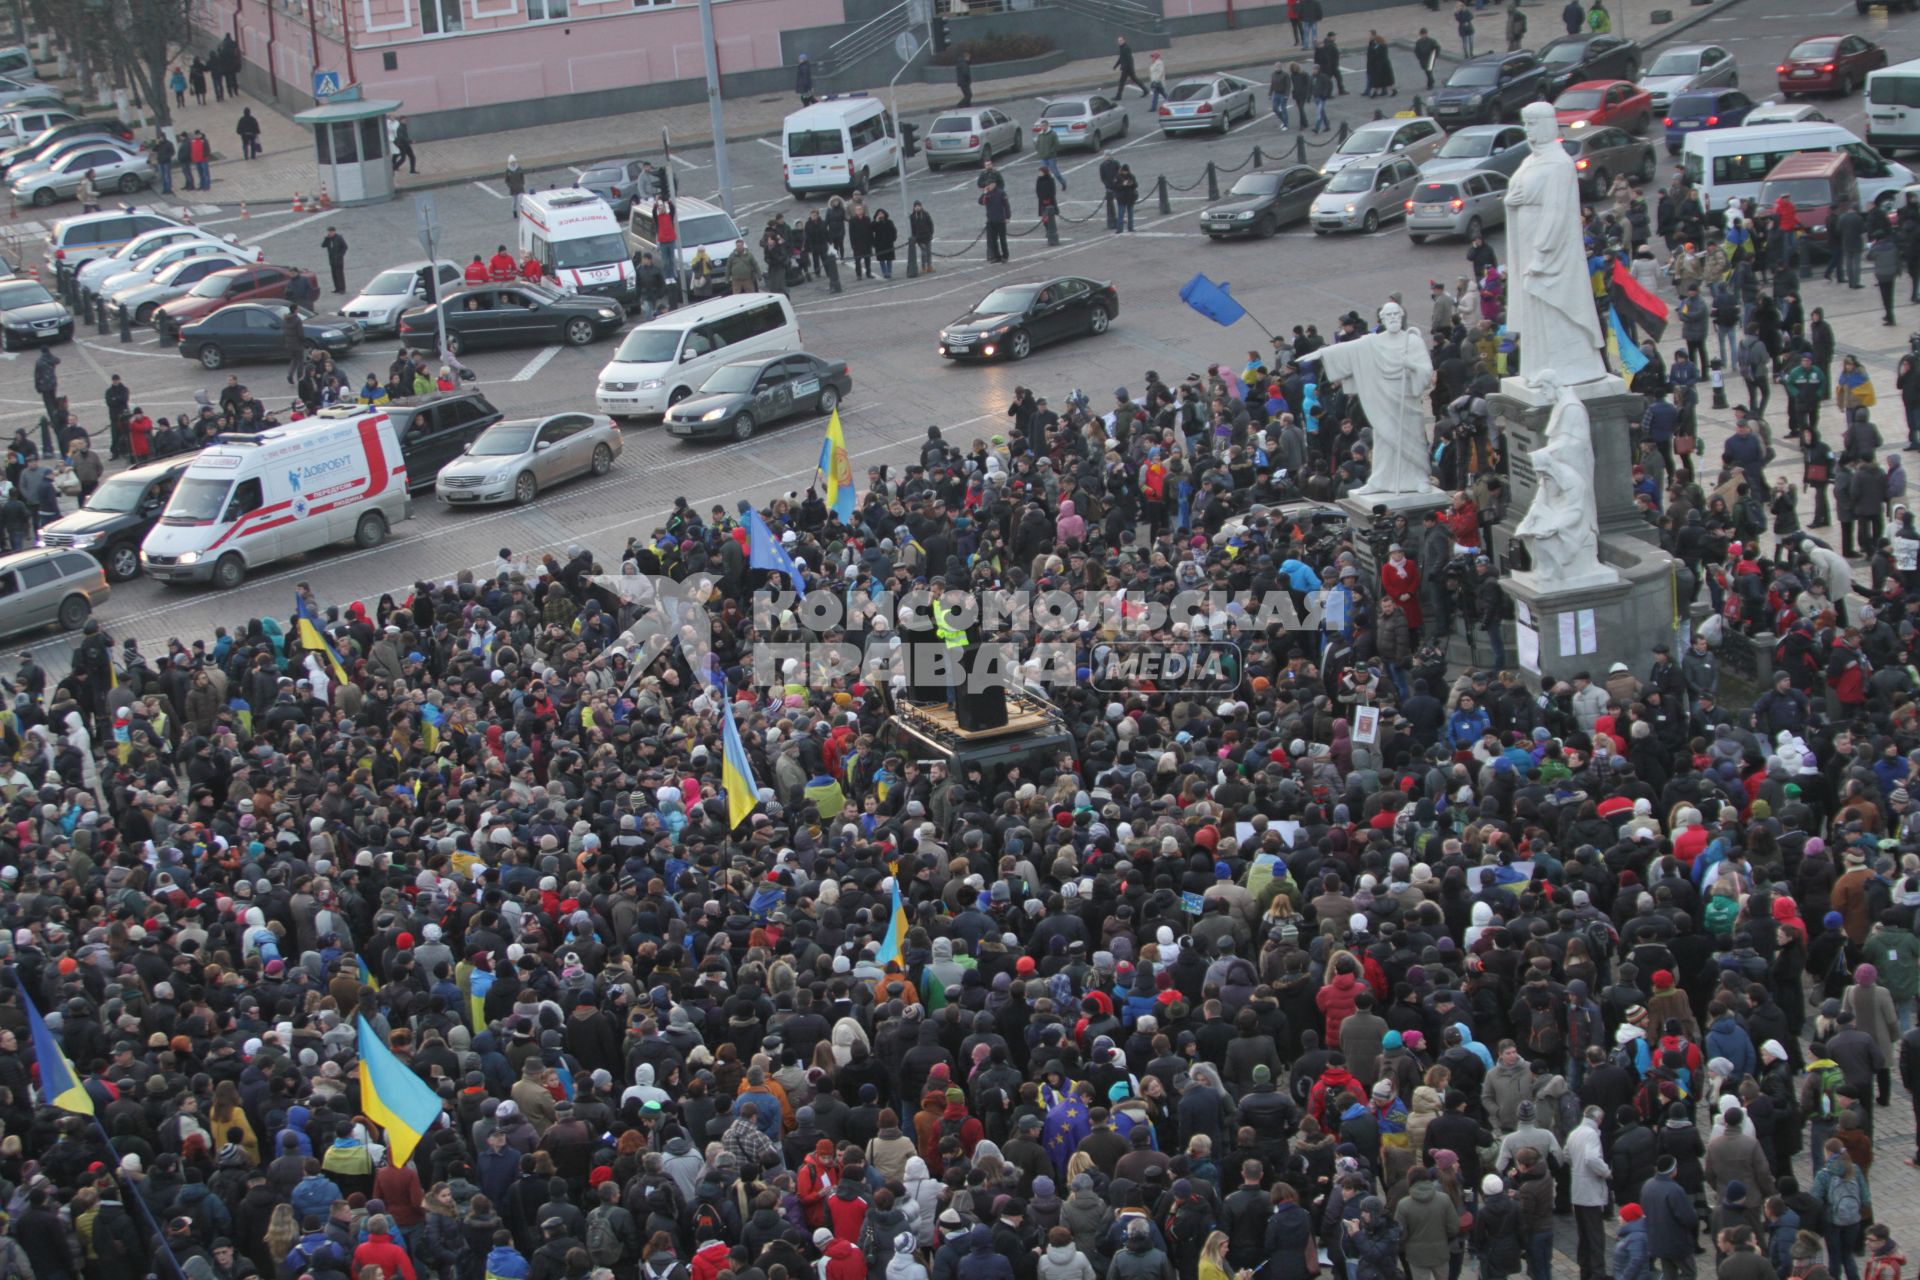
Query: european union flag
{"x": 1067, "y": 1126}
{"x": 1214, "y": 301}
{"x": 765, "y": 552}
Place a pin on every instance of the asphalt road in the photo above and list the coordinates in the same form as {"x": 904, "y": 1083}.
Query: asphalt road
{"x": 885, "y": 329}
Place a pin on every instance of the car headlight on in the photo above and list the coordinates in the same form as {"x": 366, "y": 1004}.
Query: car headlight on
{"x": 713, "y": 415}
{"x": 608, "y": 313}
{"x": 83, "y": 541}
{"x": 331, "y": 335}
{"x": 1350, "y": 208}
{"x": 1246, "y": 216}
{"x": 652, "y": 384}
{"x": 189, "y": 557}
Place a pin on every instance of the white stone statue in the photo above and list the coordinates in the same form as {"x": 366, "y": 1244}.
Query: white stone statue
{"x": 1562, "y": 526}
{"x": 1550, "y": 300}
{"x": 1391, "y": 372}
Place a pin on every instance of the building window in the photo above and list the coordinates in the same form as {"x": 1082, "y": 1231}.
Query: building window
{"x": 546, "y": 10}
{"x": 439, "y": 17}
{"x": 651, "y": 4}
{"x": 344, "y": 150}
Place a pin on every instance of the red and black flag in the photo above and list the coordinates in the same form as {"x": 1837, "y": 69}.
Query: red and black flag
{"x": 1644, "y": 312}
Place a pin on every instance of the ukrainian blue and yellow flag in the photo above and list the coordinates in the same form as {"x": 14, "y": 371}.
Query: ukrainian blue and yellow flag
{"x": 307, "y": 631}
{"x": 836, "y": 470}
{"x": 393, "y": 1097}
{"x": 896, "y": 938}
{"x": 736, "y": 773}
{"x": 479, "y": 985}
{"x": 59, "y": 1083}
{"x": 366, "y": 974}
{"x": 1626, "y": 353}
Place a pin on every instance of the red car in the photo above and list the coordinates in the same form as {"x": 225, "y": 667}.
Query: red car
{"x": 1593, "y": 103}
{"x": 260, "y": 283}
{"x": 1829, "y": 64}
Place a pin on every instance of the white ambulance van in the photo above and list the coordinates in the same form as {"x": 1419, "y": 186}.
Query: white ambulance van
{"x": 577, "y": 240}
{"x": 252, "y": 498}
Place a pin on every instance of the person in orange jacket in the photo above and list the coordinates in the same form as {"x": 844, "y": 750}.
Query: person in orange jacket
{"x": 501, "y": 266}
{"x": 531, "y": 271}
{"x": 476, "y": 271}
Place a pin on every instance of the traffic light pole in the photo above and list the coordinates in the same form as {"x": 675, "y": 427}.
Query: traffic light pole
{"x": 715, "y": 114}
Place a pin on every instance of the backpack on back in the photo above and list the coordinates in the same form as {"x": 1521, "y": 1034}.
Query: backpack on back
{"x": 1843, "y": 1201}
{"x": 709, "y": 1223}
{"x": 1543, "y": 1030}
{"x": 604, "y": 1245}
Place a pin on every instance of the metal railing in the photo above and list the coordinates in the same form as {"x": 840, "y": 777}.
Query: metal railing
{"x": 1124, "y": 13}
{"x": 866, "y": 39}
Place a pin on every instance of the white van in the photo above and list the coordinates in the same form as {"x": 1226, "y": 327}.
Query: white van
{"x": 577, "y": 240}
{"x": 838, "y": 145}
{"x": 1893, "y": 106}
{"x": 1727, "y": 163}
{"x": 249, "y": 499}
{"x": 664, "y": 361}
{"x": 698, "y": 225}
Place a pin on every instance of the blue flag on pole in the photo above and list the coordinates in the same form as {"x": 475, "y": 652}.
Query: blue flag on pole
{"x": 1632, "y": 358}
{"x": 1214, "y": 301}
{"x": 765, "y": 552}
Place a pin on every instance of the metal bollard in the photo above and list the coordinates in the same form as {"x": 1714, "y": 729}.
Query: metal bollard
{"x": 913, "y": 258}
{"x": 1419, "y": 106}
{"x": 1166, "y": 202}
{"x": 1344, "y": 132}
{"x": 1300, "y": 149}
{"x": 126, "y": 325}
{"x": 1258, "y": 160}
{"x": 1213, "y": 181}
{"x": 100, "y": 315}
{"x": 1051, "y": 221}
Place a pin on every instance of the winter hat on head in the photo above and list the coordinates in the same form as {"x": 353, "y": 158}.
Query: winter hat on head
{"x": 820, "y": 1237}
{"x": 1491, "y": 1185}
{"x": 1631, "y": 1213}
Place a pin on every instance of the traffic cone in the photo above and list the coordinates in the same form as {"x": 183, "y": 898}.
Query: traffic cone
{"x": 299, "y": 206}
{"x": 244, "y": 215}
{"x": 326, "y": 201}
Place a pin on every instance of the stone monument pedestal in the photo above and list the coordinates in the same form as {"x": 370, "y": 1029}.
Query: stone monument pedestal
{"x": 1617, "y": 616}
{"x": 1414, "y": 506}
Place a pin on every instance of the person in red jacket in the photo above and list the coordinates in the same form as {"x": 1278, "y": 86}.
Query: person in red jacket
{"x": 501, "y": 267}
{"x": 844, "y": 1260}
{"x": 710, "y": 1259}
{"x": 380, "y": 1251}
{"x": 1463, "y": 521}
{"x": 846, "y": 1209}
{"x": 531, "y": 271}
{"x": 398, "y": 1187}
{"x": 476, "y": 271}
{"x": 817, "y": 1176}
{"x": 1335, "y": 999}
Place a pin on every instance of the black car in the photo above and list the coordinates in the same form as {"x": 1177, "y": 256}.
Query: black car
{"x": 1263, "y": 202}
{"x": 504, "y": 315}
{"x": 118, "y": 517}
{"x": 1571, "y": 59}
{"x": 1014, "y": 319}
{"x": 29, "y": 314}
{"x": 434, "y": 431}
{"x": 738, "y": 398}
{"x": 250, "y": 331}
{"x": 1488, "y": 89}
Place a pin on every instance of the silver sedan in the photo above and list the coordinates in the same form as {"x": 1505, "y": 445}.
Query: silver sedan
{"x": 1682, "y": 68}
{"x": 616, "y": 182}
{"x": 1209, "y": 103}
{"x": 512, "y": 461}
{"x": 113, "y": 169}
{"x": 1459, "y": 204}
{"x": 1085, "y": 121}
{"x": 1362, "y": 196}
{"x": 969, "y": 137}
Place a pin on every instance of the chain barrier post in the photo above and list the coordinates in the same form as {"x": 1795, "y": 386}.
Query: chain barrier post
{"x": 1341, "y": 140}
{"x": 913, "y": 255}
{"x": 126, "y": 324}
{"x": 1213, "y": 182}
{"x": 1050, "y": 219}
{"x": 1166, "y": 202}
{"x": 1419, "y": 107}
{"x": 1258, "y": 160}
{"x": 100, "y": 315}
{"x": 1300, "y": 148}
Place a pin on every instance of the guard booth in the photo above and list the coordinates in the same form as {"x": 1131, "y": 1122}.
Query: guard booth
{"x": 350, "y": 141}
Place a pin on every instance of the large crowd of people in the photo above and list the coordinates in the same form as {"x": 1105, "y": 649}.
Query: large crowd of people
{"x": 1233, "y": 987}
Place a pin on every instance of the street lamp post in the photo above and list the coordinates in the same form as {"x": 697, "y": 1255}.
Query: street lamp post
{"x": 715, "y": 114}
{"x": 908, "y": 46}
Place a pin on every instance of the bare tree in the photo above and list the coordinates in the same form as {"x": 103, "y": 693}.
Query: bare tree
{"x": 134, "y": 39}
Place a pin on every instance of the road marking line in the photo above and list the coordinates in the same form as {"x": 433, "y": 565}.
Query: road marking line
{"x": 535, "y": 365}
{"x": 264, "y": 213}
{"x": 680, "y": 159}
{"x": 127, "y": 350}
{"x": 497, "y": 195}
{"x": 324, "y": 213}
{"x": 768, "y": 142}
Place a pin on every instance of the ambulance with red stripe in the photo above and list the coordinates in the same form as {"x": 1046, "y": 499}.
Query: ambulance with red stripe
{"x": 251, "y": 498}
{"x": 578, "y": 243}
